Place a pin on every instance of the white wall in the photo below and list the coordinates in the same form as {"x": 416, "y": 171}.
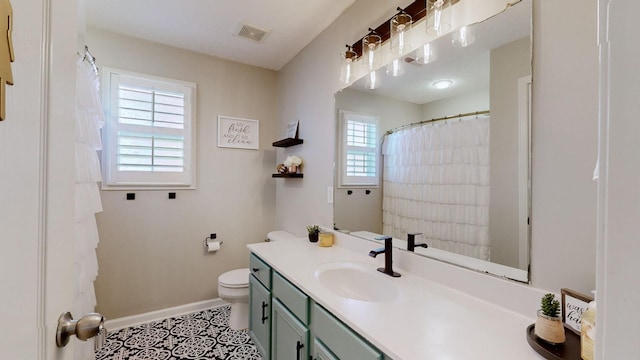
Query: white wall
{"x": 472, "y": 101}
{"x": 565, "y": 113}
{"x": 151, "y": 251}
{"x": 619, "y": 196}
{"x": 564, "y": 134}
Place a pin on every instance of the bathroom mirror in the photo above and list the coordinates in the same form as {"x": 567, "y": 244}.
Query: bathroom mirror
{"x": 490, "y": 79}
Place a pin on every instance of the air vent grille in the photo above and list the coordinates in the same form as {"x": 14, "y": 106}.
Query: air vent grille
{"x": 252, "y": 33}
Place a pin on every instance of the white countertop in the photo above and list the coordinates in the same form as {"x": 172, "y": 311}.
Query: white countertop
{"x": 438, "y": 323}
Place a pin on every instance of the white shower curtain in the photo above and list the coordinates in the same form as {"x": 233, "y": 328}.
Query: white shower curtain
{"x": 89, "y": 120}
{"x": 436, "y": 182}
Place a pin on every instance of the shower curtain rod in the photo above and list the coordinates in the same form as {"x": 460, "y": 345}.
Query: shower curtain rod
{"x": 483, "y": 112}
{"x": 90, "y": 59}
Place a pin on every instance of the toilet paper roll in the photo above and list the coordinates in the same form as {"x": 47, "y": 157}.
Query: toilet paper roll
{"x": 213, "y": 245}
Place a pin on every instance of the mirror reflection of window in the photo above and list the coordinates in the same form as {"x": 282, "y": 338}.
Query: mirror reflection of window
{"x": 359, "y": 155}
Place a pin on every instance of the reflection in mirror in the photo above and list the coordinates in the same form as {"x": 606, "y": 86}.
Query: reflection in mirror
{"x": 460, "y": 181}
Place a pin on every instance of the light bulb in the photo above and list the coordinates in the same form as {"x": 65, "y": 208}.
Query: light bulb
{"x": 438, "y": 20}
{"x": 400, "y": 24}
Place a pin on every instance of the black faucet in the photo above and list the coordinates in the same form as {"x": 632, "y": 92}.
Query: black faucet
{"x": 411, "y": 242}
{"x": 388, "y": 256}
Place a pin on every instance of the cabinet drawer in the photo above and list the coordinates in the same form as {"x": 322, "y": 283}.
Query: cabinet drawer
{"x": 343, "y": 342}
{"x": 295, "y": 300}
{"x": 260, "y": 270}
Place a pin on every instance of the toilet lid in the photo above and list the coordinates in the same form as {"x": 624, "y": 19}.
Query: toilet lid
{"x": 235, "y": 278}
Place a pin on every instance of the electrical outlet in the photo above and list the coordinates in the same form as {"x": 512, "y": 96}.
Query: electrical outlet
{"x": 329, "y": 194}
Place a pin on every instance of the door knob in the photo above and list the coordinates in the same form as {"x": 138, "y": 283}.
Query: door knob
{"x": 86, "y": 327}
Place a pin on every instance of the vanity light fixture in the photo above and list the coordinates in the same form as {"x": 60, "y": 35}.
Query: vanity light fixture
{"x": 395, "y": 68}
{"x": 463, "y": 37}
{"x": 400, "y": 24}
{"x": 438, "y": 20}
{"x": 370, "y": 44}
{"x": 442, "y": 84}
{"x": 425, "y": 54}
{"x": 372, "y": 82}
{"x": 346, "y": 65}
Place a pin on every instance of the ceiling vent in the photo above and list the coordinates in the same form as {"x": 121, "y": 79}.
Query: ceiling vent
{"x": 251, "y": 33}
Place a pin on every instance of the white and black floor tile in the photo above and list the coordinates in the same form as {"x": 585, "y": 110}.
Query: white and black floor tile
{"x": 202, "y": 335}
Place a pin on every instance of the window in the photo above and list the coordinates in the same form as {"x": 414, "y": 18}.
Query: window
{"x": 358, "y": 150}
{"x": 149, "y": 138}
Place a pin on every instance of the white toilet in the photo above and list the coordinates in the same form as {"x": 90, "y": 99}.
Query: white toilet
{"x": 233, "y": 287}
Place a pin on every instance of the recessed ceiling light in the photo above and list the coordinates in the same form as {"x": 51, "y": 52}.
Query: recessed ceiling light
{"x": 442, "y": 84}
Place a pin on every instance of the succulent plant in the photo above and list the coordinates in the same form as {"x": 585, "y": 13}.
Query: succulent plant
{"x": 549, "y": 306}
{"x": 313, "y": 229}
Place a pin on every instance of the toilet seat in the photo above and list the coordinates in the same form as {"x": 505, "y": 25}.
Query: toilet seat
{"x": 238, "y": 278}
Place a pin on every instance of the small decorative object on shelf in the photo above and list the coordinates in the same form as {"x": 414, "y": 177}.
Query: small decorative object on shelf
{"x": 549, "y": 326}
{"x": 313, "y": 231}
{"x": 292, "y": 162}
{"x": 282, "y": 169}
{"x": 291, "y": 137}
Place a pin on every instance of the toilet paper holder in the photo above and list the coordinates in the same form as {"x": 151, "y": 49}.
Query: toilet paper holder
{"x": 211, "y": 237}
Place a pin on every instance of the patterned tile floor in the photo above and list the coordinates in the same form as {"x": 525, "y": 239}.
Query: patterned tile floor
{"x": 201, "y": 336}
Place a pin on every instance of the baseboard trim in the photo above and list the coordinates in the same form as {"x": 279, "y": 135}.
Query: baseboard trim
{"x": 134, "y": 320}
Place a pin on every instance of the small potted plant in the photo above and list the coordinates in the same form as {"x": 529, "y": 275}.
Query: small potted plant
{"x": 313, "y": 231}
{"x": 549, "y": 326}
{"x": 292, "y": 162}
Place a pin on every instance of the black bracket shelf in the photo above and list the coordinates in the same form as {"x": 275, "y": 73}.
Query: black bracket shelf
{"x": 287, "y": 175}
{"x": 287, "y": 142}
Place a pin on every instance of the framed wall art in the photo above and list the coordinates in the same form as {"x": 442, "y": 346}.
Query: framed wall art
{"x": 238, "y": 133}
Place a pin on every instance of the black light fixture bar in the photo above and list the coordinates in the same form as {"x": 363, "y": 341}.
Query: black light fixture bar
{"x": 417, "y": 10}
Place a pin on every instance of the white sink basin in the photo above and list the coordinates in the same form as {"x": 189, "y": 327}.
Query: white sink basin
{"x": 361, "y": 281}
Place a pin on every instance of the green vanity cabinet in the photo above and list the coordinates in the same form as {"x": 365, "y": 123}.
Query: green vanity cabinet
{"x": 260, "y": 305}
{"x": 338, "y": 339}
{"x": 290, "y": 321}
{"x": 320, "y": 351}
{"x": 285, "y": 324}
{"x": 260, "y": 270}
{"x": 289, "y": 336}
{"x": 260, "y": 316}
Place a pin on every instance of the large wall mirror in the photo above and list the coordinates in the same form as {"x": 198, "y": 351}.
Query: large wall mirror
{"x": 461, "y": 180}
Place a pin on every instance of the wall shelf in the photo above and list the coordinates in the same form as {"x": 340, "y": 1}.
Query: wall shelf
{"x": 296, "y": 175}
{"x": 287, "y": 142}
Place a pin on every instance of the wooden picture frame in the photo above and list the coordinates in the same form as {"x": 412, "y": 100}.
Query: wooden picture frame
{"x": 574, "y": 304}
{"x": 238, "y": 133}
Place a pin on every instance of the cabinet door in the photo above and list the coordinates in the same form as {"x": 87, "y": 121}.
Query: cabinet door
{"x": 290, "y": 337}
{"x": 343, "y": 342}
{"x": 259, "y": 316}
{"x": 320, "y": 352}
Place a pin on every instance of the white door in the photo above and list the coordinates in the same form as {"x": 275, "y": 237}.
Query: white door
{"x": 37, "y": 181}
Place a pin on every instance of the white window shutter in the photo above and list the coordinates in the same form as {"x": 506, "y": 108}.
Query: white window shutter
{"x": 150, "y": 140}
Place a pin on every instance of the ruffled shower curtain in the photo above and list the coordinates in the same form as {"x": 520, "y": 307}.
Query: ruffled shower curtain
{"x": 89, "y": 120}
{"x": 436, "y": 182}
